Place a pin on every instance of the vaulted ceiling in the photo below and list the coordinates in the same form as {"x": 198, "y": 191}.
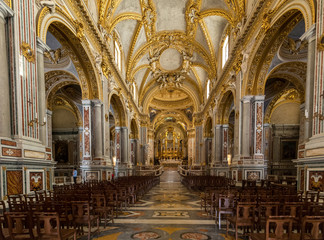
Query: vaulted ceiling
{"x": 169, "y": 48}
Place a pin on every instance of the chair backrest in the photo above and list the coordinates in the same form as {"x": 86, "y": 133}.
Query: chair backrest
{"x": 293, "y": 209}
{"x": 51, "y": 225}
{"x": 282, "y": 226}
{"x": 99, "y": 200}
{"x": 314, "y": 226}
{"x": 20, "y": 225}
{"x": 80, "y": 209}
{"x": 245, "y": 210}
{"x": 267, "y": 209}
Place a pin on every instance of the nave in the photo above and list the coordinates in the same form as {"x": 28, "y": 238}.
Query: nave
{"x": 169, "y": 211}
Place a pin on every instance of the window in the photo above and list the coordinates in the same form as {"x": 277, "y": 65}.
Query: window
{"x": 225, "y": 52}
{"x": 208, "y": 88}
{"x": 117, "y": 56}
{"x": 134, "y": 90}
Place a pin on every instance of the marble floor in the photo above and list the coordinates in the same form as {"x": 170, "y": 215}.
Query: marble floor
{"x": 169, "y": 211}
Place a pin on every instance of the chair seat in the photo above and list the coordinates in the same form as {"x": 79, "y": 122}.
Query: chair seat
{"x": 241, "y": 221}
{"x": 85, "y": 219}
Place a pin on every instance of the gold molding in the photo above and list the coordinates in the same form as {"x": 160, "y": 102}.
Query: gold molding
{"x": 28, "y": 52}
{"x": 320, "y": 43}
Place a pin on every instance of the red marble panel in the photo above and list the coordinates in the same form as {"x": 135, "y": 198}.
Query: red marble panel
{"x": 48, "y": 150}
{"x": 86, "y": 124}
{"x": 259, "y": 128}
{"x": 301, "y": 154}
{"x": 36, "y": 181}
{"x": 11, "y": 152}
{"x": 301, "y": 146}
{"x": 48, "y": 180}
{"x": 48, "y": 156}
{"x": 14, "y": 182}
{"x": 9, "y": 143}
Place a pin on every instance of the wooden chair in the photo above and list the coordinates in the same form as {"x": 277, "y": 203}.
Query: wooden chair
{"x": 82, "y": 216}
{"x": 282, "y": 226}
{"x": 312, "y": 228}
{"x": 244, "y": 217}
{"x": 225, "y": 207}
{"x": 20, "y": 225}
{"x": 264, "y": 211}
{"x": 52, "y": 228}
{"x": 101, "y": 208}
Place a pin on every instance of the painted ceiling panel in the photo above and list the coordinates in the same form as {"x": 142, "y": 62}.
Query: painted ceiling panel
{"x": 170, "y": 15}
{"x": 208, "y": 4}
{"x": 215, "y": 26}
{"x": 141, "y": 40}
{"x": 201, "y": 38}
{"x": 125, "y": 30}
{"x": 128, "y": 6}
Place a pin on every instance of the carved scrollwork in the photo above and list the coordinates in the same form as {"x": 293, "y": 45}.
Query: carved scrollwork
{"x": 320, "y": 44}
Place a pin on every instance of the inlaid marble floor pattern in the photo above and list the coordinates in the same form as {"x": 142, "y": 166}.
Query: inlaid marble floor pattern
{"x": 167, "y": 212}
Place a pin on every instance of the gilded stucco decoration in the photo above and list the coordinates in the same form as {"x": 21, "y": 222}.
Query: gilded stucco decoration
{"x": 27, "y": 52}
{"x": 320, "y": 43}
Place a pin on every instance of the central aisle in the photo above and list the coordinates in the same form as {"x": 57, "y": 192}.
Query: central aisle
{"x": 168, "y": 211}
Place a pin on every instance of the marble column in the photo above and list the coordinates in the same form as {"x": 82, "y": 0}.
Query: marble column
{"x": 246, "y": 124}
{"x": 41, "y": 48}
{"x": 218, "y": 144}
{"x": 124, "y": 145}
{"x": 49, "y": 128}
{"x": 191, "y": 146}
{"x": 5, "y": 119}
{"x": 225, "y": 144}
{"x": 309, "y": 36}
{"x": 80, "y": 145}
{"x": 97, "y": 129}
{"x": 86, "y": 138}
{"x": 199, "y": 144}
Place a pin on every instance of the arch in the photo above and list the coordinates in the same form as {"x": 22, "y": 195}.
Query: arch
{"x": 76, "y": 112}
{"x": 70, "y": 34}
{"x": 176, "y": 113}
{"x": 224, "y": 107}
{"x": 266, "y": 49}
{"x": 297, "y": 75}
{"x": 119, "y": 109}
{"x": 291, "y": 95}
{"x": 134, "y": 129}
{"x": 306, "y": 7}
{"x": 208, "y": 128}
{"x": 150, "y": 91}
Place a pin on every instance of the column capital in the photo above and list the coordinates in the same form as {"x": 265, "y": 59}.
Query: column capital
{"x": 5, "y": 10}
{"x": 86, "y": 102}
{"x": 41, "y": 46}
{"x": 97, "y": 102}
{"x": 259, "y": 98}
{"x": 247, "y": 98}
{"x": 310, "y": 34}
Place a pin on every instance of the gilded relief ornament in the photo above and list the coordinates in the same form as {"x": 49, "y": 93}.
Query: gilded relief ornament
{"x": 320, "y": 44}
{"x": 27, "y": 52}
{"x": 79, "y": 29}
{"x": 192, "y": 17}
{"x": 54, "y": 55}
